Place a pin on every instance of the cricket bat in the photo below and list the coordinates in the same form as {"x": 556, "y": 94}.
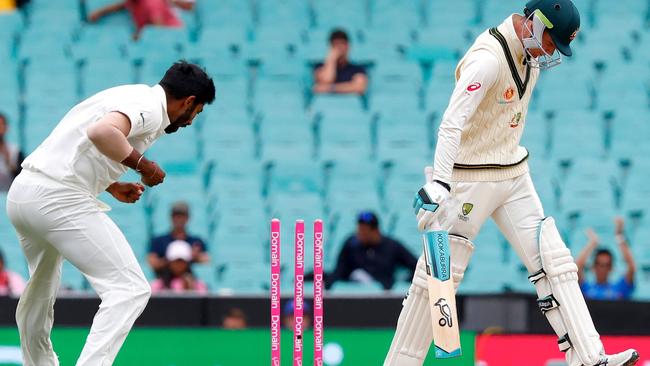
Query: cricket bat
{"x": 442, "y": 296}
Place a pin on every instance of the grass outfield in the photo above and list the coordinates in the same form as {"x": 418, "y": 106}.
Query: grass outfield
{"x": 216, "y": 347}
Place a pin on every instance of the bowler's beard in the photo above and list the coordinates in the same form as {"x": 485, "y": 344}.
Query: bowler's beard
{"x": 180, "y": 121}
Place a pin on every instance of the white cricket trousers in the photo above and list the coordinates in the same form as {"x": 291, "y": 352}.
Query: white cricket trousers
{"x": 514, "y": 206}
{"x": 54, "y": 222}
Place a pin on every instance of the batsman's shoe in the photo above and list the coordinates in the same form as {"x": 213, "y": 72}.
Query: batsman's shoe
{"x": 625, "y": 358}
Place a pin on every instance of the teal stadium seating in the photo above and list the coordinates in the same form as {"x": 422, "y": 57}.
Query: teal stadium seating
{"x": 268, "y": 147}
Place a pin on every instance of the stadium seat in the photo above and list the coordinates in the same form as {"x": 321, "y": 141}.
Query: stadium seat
{"x": 355, "y": 142}
{"x": 286, "y": 137}
{"x": 235, "y": 181}
{"x": 280, "y": 95}
{"x": 589, "y": 187}
{"x": 102, "y": 73}
{"x": 403, "y": 136}
{"x": 297, "y": 175}
{"x": 228, "y": 139}
{"x": 340, "y": 13}
{"x": 392, "y": 16}
{"x": 224, "y": 14}
{"x": 272, "y": 14}
{"x": 629, "y": 133}
{"x": 578, "y": 133}
{"x": 113, "y": 40}
{"x": 179, "y": 187}
{"x": 396, "y": 86}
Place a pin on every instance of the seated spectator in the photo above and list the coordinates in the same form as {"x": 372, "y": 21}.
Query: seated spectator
{"x": 287, "y": 315}
{"x": 11, "y": 283}
{"x": 235, "y": 319}
{"x": 603, "y": 288}
{"x": 337, "y": 74}
{"x": 179, "y": 277}
{"x": 370, "y": 256}
{"x": 180, "y": 216}
{"x": 10, "y": 157}
{"x": 146, "y": 12}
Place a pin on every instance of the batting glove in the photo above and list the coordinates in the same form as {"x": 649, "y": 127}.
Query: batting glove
{"x": 428, "y": 201}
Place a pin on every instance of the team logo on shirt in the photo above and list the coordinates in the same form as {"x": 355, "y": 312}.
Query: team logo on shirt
{"x": 514, "y": 122}
{"x": 465, "y": 209}
{"x": 507, "y": 97}
{"x": 508, "y": 94}
{"x": 474, "y": 86}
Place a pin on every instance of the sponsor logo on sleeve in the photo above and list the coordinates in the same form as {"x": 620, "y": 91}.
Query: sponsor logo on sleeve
{"x": 474, "y": 86}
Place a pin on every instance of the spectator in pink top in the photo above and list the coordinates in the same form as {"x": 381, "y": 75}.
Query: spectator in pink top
{"x": 11, "y": 283}
{"x": 179, "y": 278}
{"x": 147, "y": 12}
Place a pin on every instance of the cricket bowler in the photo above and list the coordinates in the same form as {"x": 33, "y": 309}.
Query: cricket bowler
{"x": 480, "y": 164}
{"x": 54, "y": 207}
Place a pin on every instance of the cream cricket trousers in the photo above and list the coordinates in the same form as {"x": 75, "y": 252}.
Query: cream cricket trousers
{"x": 53, "y": 223}
{"x": 514, "y": 206}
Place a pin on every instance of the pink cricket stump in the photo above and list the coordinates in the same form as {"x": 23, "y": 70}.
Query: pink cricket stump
{"x": 275, "y": 292}
{"x": 298, "y": 295}
{"x": 318, "y": 293}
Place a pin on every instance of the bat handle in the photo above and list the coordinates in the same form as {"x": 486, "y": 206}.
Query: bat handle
{"x": 436, "y": 226}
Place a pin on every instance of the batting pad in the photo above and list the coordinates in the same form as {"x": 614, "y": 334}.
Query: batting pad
{"x": 413, "y": 335}
{"x": 562, "y": 274}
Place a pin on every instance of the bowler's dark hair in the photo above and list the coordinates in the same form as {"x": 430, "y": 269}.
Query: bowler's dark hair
{"x": 4, "y": 118}
{"x": 339, "y": 34}
{"x": 184, "y": 79}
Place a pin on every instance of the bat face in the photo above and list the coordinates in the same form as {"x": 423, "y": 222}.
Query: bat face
{"x": 442, "y": 297}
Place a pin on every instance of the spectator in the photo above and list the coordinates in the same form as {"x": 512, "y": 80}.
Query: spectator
{"x": 180, "y": 216}
{"x": 235, "y": 319}
{"x": 287, "y": 315}
{"x": 10, "y": 157}
{"x": 11, "y": 283}
{"x": 602, "y": 288}
{"x": 368, "y": 255}
{"x": 337, "y": 74}
{"x": 146, "y": 12}
{"x": 179, "y": 277}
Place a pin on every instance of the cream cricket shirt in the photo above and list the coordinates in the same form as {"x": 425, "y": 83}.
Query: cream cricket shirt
{"x": 69, "y": 157}
{"x": 481, "y": 129}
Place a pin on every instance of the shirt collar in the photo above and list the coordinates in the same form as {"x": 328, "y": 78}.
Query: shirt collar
{"x": 160, "y": 93}
{"x": 507, "y": 28}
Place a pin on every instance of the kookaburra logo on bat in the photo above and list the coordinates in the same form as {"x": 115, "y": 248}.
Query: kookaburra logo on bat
{"x": 445, "y": 310}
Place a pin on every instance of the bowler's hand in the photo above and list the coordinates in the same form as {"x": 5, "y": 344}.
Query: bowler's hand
{"x": 151, "y": 174}
{"x": 126, "y": 192}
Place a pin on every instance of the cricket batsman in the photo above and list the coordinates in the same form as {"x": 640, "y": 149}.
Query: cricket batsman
{"x": 480, "y": 164}
{"x": 54, "y": 207}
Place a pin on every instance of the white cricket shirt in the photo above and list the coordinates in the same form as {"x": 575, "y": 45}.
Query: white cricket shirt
{"x": 68, "y": 156}
{"x": 479, "y": 137}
